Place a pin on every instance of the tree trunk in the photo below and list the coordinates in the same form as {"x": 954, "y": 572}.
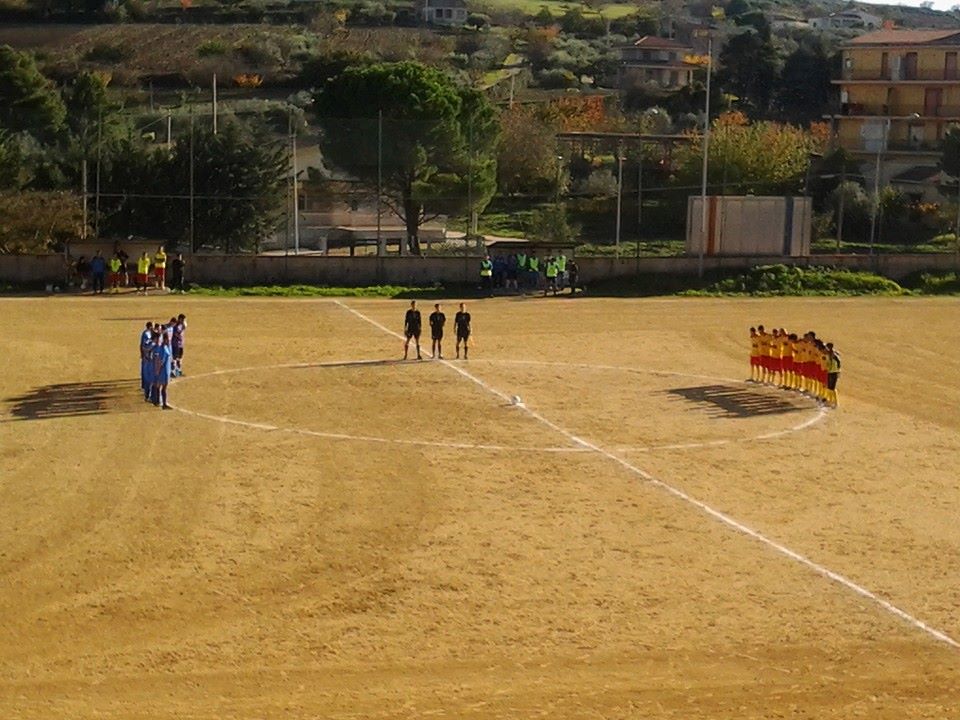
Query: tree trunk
{"x": 412, "y": 211}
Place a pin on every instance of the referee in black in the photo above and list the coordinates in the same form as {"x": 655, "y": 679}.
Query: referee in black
{"x": 461, "y": 322}
{"x": 437, "y": 321}
{"x": 411, "y": 329}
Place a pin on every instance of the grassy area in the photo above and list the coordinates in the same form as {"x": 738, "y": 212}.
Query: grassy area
{"x": 775, "y": 280}
{"x": 611, "y": 11}
{"x": 939, "y": 244}
{"x": 655, "y": 247}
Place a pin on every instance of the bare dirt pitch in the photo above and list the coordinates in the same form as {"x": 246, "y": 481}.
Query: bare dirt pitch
{"x": 323, "y": 537}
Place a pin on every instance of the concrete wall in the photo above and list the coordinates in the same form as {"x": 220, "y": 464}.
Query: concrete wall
{"x": 359, "y": 271}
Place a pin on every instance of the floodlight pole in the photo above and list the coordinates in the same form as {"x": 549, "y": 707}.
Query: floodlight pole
{"x": 296, "y": 194}
{"x": 619, "y": 197}
{"x": 706, "y": 154}
{"x": 381, "y": 250}
{"x": 214, "y": 103}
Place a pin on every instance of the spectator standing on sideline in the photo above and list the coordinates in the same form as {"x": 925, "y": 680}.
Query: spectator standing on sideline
{"x": 98, "y": 272}
{"x": 82, "y": 268}
{"x": 143, "y": 272}
{"x": 115, "y": 264}
{"x": 176, "y": 273}
{"x": 160, "y": 268}
{"x": 551, "y": 272}
{"x": 574, "y": 274}
{"x": 511, "y": 272}
{"x": 124, "y": 266}
{"x": 486, "y": 275}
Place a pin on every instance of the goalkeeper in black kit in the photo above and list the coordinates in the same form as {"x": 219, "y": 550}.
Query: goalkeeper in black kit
{"x": 461, "y": 322}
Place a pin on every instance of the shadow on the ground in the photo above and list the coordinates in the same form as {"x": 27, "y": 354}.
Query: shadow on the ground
{"x": 731, "y": 401}
{"x": 77, "y": 399}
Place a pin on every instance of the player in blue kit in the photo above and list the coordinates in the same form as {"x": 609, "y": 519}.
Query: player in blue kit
{"x": 146, "y": 360}
{"x": 162, "y": 365}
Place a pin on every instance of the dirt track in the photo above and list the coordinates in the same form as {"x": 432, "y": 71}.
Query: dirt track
{"x": 170, "y": 565}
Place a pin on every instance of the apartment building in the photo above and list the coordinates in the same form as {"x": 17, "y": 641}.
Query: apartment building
{"x": 899, "y": 92}
{"x": 657, "y": 61}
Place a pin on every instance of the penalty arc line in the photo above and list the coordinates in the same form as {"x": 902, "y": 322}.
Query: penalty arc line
{"x": 700, "y": 505}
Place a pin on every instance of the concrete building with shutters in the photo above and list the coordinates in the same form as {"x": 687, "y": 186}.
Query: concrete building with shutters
{"x": 899, "y": 91}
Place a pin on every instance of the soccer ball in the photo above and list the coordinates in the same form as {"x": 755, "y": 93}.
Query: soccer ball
{"x": 515, "y": 400}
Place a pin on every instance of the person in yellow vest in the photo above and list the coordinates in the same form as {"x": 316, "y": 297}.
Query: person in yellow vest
{"x": 551, "y": 271}
{"x": 115, "y": 265}
{"x": 561, "y": 271}
{"x": 143, "y": 273}
{"x": 486, "y": 275}
{"x": 160, "y": 268}
{"x": 533, "y": 271}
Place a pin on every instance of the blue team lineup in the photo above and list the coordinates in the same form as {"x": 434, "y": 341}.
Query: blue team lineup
{"x": 161, "y": 358}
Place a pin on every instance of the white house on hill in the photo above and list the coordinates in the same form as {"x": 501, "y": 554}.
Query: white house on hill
{"x": 445, "y": 12}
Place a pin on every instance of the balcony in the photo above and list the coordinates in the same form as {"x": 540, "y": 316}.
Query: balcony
{"x": 895, "y": 112}
{"x": 899, "y": 75}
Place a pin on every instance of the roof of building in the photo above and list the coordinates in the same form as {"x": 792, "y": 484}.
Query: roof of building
{"x": 447, "y": 3}
{"x": 909, "y": 37}
{"x": 651, "y": 42}
{"x": 921, "y": 174}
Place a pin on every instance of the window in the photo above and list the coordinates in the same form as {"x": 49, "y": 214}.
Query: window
{"x": 910, "y": 66}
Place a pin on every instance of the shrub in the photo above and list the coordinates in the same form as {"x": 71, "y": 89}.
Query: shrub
{"x": 210, "y": 48}
{"x": 106, "y": 53}
{"x": 769, "y": 280}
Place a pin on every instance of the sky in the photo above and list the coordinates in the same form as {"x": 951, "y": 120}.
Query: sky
{"x": 938, "y": 4}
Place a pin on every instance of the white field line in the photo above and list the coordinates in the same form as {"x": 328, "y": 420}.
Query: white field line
{"x": 820, "y": 415}
{"x": 710, "y": 511}
{"x": 346, "y": 436}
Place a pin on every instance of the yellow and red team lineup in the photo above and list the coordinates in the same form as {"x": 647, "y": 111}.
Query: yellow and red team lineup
{"x": 802, "y": 363}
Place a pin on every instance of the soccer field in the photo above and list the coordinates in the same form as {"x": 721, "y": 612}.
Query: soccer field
{"x": 319, "y": 531}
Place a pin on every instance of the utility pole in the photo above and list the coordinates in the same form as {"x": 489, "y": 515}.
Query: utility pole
{"x": 381, "y": 247}
{"x": 876, "y": 183}
{"x": 706, "y": 153}
{"x": 193, "y": 244}
{"x": 639, "y": 197}
{"x": 169, "y": 130}
{"x": 214, "y": 103}
{"x": 96, "y": 201}
{"x": 843, "y": 198}
{"x": 83, "y": 189}
{"x": 296, "y": 195}
{"x": 619, "y": 197}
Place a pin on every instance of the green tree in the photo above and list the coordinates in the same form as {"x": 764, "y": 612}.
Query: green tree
{"x": 527, "y": 159}
{"x": 90, "y": 112}
{"x": 29, "y": 102}
{"x": 38, "y": 222}
{"x": 805, "y": 83}
{"x": 762, "y": 158}
{"x": 749, "y": 70}
{"x": 950, "y": 164}
{"x": 438, "y": 144}
{"x": 11, "y": 163}
{"x": 239, "y": 178}
{"x": 550, "y": 224}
